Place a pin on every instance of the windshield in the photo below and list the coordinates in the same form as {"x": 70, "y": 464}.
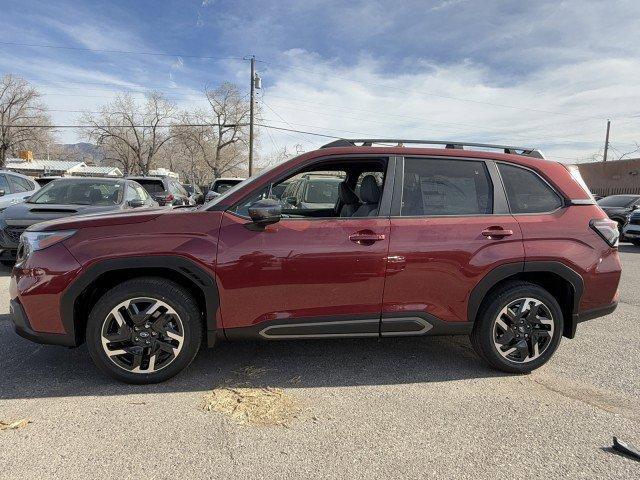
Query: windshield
{"x": 68, "y": 192}
{"x": 222, "y": 186}
{"x": 151, "y": 186}
{"x": 618, "y": 201}
{"x": 322, "y": 190}
{"x": 237, "y": 186}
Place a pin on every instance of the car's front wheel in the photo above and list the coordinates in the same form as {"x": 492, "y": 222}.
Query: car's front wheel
{"x": 144, "y": 330}
{"x": 518, "y": 328}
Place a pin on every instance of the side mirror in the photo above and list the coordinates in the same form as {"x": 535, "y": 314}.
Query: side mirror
{"x": 136, "y": 203}
{"x": 265, "y": 212}
{"x": 2, "y": 192}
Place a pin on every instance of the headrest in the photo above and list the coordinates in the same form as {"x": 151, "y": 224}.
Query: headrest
{"x": 347, "y": 195}
{"x": 369, "y": 190}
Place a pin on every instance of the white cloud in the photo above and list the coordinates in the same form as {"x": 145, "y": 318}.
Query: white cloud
{"x": 561, "y": 110}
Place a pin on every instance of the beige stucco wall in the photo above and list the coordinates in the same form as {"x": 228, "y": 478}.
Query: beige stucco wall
{"x": 614, "y": 177}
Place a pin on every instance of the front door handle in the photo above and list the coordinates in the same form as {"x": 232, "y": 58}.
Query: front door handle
{"x": 496, "y": 232}
{"x": 366, "y": 238}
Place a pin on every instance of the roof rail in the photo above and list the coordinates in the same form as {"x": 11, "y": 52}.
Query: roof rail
{"x": 368, "y": 142}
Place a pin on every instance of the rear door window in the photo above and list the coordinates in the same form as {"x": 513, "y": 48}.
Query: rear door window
{"x": 19, "y": 184}
{"x": 434, "y": 187}
{"x": 527, "y": 192}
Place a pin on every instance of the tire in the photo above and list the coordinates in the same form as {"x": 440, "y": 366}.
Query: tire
{"x": 169, "y": 329}
{"x": 502, "y": 308}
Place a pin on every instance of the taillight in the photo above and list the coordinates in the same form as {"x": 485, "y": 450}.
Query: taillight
{"x": 607, "y": 229}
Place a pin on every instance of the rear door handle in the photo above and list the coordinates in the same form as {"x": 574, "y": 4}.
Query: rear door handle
{"x": 363, "y": 238}
{"x": 496, "y": 232}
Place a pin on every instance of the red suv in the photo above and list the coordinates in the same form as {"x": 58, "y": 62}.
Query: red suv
{"x": 506, "y": 247}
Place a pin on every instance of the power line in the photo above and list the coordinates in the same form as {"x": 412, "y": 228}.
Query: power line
{"x": 273, "y": 127}
{"x": 54, "y": 127}
{"x": 124, "y": 52}
{"x": 282, "y": 118}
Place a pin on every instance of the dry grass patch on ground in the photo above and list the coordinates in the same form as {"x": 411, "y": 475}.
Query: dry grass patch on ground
{"x": 14, "y": 425}
{"x": 253, "y": 406}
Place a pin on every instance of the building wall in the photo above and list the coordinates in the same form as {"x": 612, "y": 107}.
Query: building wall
{"x": 611, "y": 178}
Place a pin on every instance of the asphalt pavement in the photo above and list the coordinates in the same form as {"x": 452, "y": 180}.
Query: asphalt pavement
{"x": 395, "y": 408}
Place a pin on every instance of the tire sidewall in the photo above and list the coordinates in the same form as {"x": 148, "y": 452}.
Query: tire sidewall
{"x": 493, "y": 309}
{"x": 171, "y": 294}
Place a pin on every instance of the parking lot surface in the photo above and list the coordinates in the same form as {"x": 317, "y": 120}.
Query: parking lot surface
{"x": 396, "y": 408}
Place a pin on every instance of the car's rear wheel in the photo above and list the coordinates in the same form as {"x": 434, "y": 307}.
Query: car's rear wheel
{"x": 144, "y": 330}
{"x": 518, "y": 328}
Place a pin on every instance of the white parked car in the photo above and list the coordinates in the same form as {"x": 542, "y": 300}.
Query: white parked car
{"x": 15, "y": 188}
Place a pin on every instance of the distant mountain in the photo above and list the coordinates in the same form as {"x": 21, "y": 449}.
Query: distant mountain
{"x": 82, "y": 152}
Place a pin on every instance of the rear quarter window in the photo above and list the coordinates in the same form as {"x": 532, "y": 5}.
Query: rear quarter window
{"x": 527, "y": 192}
{"x": 152, "y": 186}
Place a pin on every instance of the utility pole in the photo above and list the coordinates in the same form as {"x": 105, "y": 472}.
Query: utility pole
{"x": 606, "y": 141}
{"x": 251, "y": 114}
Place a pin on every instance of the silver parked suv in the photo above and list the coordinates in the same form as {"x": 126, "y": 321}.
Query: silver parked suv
{"x": 15, "y": 188}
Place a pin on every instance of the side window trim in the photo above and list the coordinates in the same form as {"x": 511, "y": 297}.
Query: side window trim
{"x": 564, "y": 202}
{"x": 500, "y": 206}
{"x": 385, "y": 201}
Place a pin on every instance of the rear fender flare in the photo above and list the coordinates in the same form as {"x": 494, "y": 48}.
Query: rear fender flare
{"x": 505, "y": 271}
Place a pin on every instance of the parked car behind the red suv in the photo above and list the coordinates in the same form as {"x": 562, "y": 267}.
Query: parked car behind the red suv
{"x": 65, "y": 197}
{"x": 165, "y": 190}
{"x": 504, "y": 246}
{"x": 219, "y": 186}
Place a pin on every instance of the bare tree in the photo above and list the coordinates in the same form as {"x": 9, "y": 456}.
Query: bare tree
{"x": 191, "y": 150}
{"x": 24, "y": 122}
{"x": 229, "y": 115}
{"x": 132, "y": 135}
{"x": 633, "y": 151}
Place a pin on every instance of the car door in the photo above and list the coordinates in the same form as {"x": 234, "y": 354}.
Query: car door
{"x": 450, "y": 226}
{"x": 309, "y": 277}
{"x": 7, "y": 196}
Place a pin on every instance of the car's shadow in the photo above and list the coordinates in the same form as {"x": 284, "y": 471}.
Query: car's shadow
{"x": 30, "y": 370}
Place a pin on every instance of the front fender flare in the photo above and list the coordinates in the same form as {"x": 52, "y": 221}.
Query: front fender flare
{"x": 183, "y": 266}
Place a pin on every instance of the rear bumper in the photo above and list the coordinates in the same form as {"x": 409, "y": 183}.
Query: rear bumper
{"x": 8, "y": 254}
{"x": 570, "y": 330}
{"x": 595, "y": 312}
{"x": 23, "y": 328}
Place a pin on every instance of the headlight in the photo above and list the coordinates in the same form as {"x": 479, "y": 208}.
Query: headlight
{"x": 33, "y": 241}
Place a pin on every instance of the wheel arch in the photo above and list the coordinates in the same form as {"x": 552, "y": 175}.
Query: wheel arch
{"x": 561, "y": 281}
{"x": 99, "y": 277}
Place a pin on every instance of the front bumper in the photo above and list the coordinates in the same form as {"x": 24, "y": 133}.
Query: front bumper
{"x": 631, "y": 231}
{"x": 23, "y": 328}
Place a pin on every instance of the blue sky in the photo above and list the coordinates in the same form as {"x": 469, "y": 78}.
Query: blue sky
{"x": 536, "y": 73}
